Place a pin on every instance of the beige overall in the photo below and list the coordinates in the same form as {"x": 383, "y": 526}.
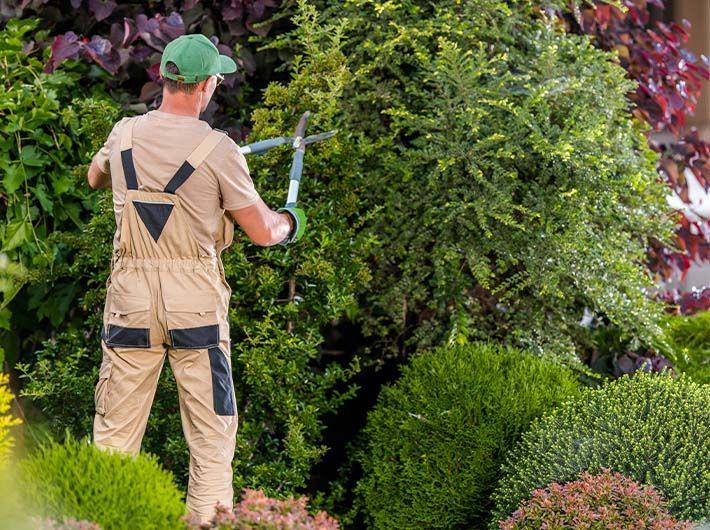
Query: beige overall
{"x": 164, "y": 297}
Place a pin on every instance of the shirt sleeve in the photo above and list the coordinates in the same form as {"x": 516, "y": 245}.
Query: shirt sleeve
{"x": 235, "y": 184}
{"x": 103, "y": 155}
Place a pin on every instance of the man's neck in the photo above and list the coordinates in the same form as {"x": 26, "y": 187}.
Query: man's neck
{"x": 182, "y": 106}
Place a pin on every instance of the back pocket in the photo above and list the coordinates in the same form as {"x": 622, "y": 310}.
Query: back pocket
{"x": 192, "y": 320}
{"x": 127, "y": 321}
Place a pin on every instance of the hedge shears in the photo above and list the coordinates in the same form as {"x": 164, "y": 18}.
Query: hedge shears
{"x": 299, "y": 143}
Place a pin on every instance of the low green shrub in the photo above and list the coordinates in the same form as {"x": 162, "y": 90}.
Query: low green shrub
{"x": 67, "y": 524}
{"x": 117, "y": 491}
{"x": 256, "y": 511}
{"x": 437, "y": 436}
{"x": 608, "y": 501}
{"x": 650, "y": 427}
{"x": 689, "y": 337}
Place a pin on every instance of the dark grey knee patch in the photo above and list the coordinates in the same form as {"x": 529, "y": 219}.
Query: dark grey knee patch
{"x": 195, "y": 338}
{"x": 222, "y": 385}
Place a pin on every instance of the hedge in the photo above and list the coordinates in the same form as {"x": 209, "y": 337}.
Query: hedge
{"x": 504, "y": 206}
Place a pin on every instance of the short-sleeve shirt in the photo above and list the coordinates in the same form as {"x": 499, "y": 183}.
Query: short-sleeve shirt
{"x": 161, "y": 143}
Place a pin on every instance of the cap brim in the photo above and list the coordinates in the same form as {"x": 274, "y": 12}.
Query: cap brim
{"x": 227, "y": 65}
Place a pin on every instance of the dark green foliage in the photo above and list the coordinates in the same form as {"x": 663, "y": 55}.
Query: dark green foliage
{"x": 61, "y": 383}
{"x": 47, "y": 129}
{"x": 649, "y": 427}
{"x": 119, "y": 492}
{"x": 285, "y": 383}
{"x": 512, "y": 187}
{"x": 690, "y": 342}
{"x": 282, "y": 296}
{"x": 436, "y": 438}
{"x": 63, "y": 379}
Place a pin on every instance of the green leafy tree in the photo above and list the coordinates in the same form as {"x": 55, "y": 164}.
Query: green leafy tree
{"x": 512, "y": 188}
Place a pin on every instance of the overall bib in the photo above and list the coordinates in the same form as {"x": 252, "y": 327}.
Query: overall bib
{"x": 165, "y": 297}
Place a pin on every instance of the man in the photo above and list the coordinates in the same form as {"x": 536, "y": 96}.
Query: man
{"x": 173, "y": 177}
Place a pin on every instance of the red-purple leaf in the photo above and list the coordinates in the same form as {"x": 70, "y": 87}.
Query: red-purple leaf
{"x": 64, "y": 47}
{"x": 153, "y": 72}
{"x": 101, "y": 9}
{"x": 233, "y": 11}
{"x": 157, "y": 31}
{"x": 224, "y": 49}
{"x": 140, "y": 52}
{"x": 101, "y": 51}
{"x": 670, "y": 79}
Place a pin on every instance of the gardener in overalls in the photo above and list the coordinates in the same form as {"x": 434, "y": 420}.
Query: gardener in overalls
{"x": 173, "y": 179}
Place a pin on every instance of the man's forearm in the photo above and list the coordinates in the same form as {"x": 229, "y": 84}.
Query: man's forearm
{"x": 96, "y": 178}
{"x": 282, "y": 228}
{"x": 264, "y": 226}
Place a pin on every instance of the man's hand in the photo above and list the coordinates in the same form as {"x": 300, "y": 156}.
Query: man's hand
{"x": 299, "y": 220}
{"x": 96, "y": 178}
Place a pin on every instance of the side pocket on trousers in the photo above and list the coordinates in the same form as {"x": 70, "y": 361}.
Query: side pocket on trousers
{"x": 222, "y": 384}
{"x": 102, "y": 388}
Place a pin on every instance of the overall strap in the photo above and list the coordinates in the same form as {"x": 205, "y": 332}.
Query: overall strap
{"x": 197, "y": 156}
{"x": 129, "y": 170}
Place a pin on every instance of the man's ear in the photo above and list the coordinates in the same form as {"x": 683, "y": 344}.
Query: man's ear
{"x": 204, "y": 84}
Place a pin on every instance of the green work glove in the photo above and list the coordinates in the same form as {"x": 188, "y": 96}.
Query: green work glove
{"x": 299, "y": 224}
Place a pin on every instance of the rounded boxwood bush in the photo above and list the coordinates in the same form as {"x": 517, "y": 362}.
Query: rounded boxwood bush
{"x": 437, "y": 436}
{"x": 650, "y": 427}
{"x": 117, "y": 491}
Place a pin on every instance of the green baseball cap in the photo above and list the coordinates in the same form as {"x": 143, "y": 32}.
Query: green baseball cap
{"x": 196, "y": 58}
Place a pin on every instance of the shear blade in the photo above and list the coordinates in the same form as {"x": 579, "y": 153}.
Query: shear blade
{"x": 319, "y": 137}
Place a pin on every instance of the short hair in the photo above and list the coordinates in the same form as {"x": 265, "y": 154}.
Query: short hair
{"x": 177, "y": 86}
